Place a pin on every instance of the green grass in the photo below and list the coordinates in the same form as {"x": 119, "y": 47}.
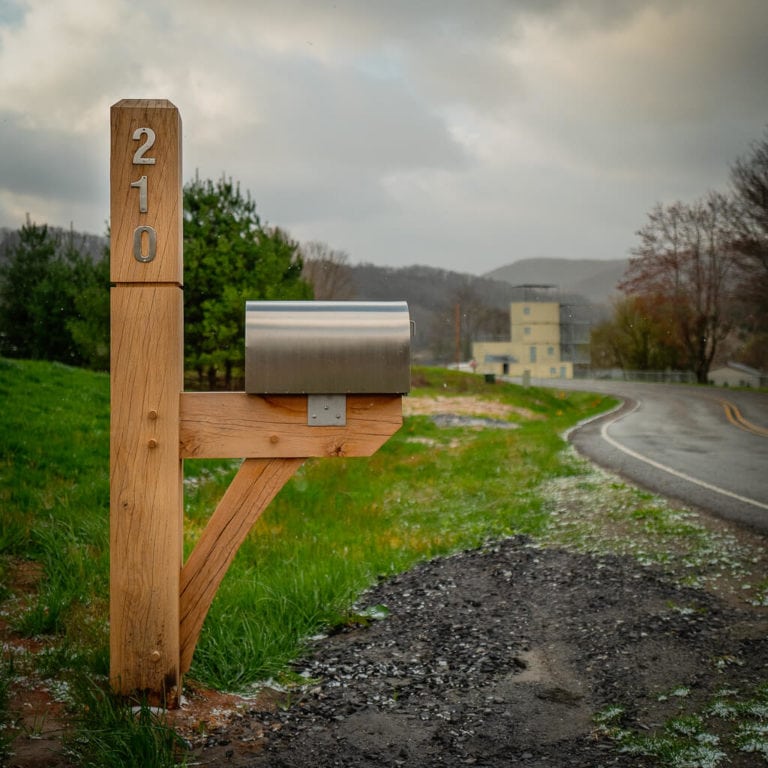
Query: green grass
{"x": 332, "y": 531}
{"x": 589, "y": 511}
{"x": 53, "y": 454}
{"x": 337, "y": 527}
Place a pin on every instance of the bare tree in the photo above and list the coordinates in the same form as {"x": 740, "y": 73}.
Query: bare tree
{"x": 749, "y": 176}
{"x": 464, "y": 318}
{"x": 328, "y": 271}
{"x": 750, "y": 181}
{"x": 685, "y": 264}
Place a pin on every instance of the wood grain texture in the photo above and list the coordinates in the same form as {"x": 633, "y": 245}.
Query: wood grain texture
{"x": 164, "y": 191}
{"x": 253, "y": 488}
{"x": 146, "y": 511}
{"x": 237, "y": 425}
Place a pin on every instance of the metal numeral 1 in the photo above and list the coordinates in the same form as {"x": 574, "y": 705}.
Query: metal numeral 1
{"x": 141, "y": 185}
{"x": 138, "y": 252}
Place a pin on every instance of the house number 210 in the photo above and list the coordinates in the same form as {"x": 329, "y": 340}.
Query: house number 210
{"x": 139, "y": 158}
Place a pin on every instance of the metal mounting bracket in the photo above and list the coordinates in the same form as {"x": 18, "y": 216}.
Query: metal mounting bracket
{"x": 327, "y": 410}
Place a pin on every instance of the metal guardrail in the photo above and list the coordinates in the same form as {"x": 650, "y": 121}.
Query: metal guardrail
{"x": 617, "y": 374}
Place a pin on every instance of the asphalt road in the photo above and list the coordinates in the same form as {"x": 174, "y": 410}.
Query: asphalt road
{"x": 705, "y": 446}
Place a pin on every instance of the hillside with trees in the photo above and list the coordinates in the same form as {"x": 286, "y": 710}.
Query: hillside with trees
{"x": 230, "y": 257}
{"x": 445, "y": 306}
{"x": 87, "y": 245}
{"x": 450, "y": 307}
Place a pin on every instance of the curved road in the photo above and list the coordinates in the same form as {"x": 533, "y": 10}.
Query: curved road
{"x": 705, "y": 446}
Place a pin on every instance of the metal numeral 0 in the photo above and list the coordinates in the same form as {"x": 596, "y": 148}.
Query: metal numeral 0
{"x": 138, "y": 251}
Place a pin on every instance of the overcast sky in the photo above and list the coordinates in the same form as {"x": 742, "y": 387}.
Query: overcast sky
{"x": 463, "y": 134}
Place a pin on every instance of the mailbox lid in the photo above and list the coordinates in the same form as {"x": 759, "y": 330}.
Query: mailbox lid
{"x": 327, "y": 347}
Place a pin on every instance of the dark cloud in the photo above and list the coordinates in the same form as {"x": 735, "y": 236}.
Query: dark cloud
{"x": 42, "y": 162}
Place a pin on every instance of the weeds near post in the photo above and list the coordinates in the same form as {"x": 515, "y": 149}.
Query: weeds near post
{"x": 109, "y": 734}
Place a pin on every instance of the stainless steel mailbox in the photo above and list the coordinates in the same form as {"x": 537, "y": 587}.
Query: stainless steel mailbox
{"x": 327, "y": 347}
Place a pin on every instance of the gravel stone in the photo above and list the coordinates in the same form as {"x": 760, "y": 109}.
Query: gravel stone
{"x": 500, "y": 657}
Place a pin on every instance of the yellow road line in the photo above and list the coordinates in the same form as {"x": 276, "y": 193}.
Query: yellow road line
{"x": 733, "y": 414}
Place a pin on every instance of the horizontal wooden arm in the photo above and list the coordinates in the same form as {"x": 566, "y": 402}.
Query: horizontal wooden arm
{"x": 236, "y": 425}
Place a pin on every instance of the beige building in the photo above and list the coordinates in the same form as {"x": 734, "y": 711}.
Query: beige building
{"x": 533, "y": 348}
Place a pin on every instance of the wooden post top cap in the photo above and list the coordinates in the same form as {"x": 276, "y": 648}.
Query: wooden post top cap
{"x": 144, "y": 104}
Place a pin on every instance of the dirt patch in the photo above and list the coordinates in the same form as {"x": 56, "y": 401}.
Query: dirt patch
{"x": 466, "y": 412}
{"x": 464, "y": 405}
{"x": 41, "y": 722}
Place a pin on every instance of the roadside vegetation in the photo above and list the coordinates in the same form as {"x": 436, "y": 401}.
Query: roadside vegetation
{"x": 732, "y": 723}
{"x": 438, "y": 486}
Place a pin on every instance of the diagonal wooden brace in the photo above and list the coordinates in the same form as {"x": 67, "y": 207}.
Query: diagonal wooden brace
{"x": 257, "y": 482}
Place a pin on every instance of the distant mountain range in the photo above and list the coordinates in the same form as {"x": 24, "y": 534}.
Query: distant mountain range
{"x": 595, "y": 280}
{"x": 433, "y": 295}
{"x": 574, "y": 280}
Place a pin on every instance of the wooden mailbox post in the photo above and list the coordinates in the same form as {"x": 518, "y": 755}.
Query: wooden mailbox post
{"x": 158, "y": 602}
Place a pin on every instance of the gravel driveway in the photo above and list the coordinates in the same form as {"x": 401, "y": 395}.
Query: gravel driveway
{"x": 498, "y": 657}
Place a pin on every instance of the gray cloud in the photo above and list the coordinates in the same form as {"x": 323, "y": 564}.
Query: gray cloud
{"x": 40, "y": 162}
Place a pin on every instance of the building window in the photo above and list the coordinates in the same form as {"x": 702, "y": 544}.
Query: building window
{"x": 526, "y": 310}
{"x": 550, "y": 351}
{"x": 553, "y": 371}
{"x": 527, "y": 330}
{"x": 533, "y": 354}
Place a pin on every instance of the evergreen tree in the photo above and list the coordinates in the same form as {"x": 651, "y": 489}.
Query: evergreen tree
{"x": 54, "y": 300}
{"x": 229, "y": 258}
{"x": 89, "y": 324}
{"x": 35, "y": 301}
